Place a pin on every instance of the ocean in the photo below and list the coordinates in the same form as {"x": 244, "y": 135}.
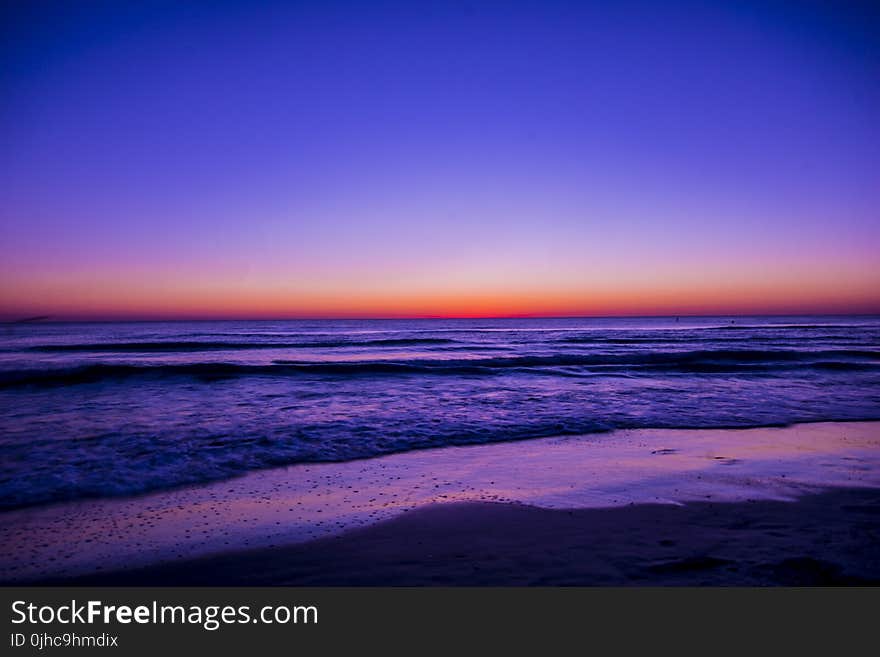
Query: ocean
{"x": 108, "y": 409}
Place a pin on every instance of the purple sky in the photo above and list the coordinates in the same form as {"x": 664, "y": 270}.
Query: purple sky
{"x": 351, "y": 158}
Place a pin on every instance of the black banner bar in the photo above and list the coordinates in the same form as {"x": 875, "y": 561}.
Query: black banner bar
{"x": 142, "y": 621}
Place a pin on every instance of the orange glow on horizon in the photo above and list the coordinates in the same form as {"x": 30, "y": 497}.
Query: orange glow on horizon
{"x": 218, "y": 302}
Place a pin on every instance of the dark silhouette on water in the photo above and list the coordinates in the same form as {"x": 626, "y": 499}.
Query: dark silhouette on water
{"x": 28, "y": 320}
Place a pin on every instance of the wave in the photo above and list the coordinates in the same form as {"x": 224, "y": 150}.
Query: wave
{"x": 722, "y": 360}
{"x": 197, "y": 345}
{"x": 775, "y": 327}
{"x": 719, "y": 356}
{"x": 714, "y": 339}
{"x": 221, "y": 457}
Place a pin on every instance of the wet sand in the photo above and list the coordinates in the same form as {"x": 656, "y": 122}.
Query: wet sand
{"x": 823, "y": 539}
{"x": 796, "y": 505}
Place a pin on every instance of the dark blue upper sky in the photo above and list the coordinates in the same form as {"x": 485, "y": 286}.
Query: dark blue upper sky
{"x": 448, "y": 157}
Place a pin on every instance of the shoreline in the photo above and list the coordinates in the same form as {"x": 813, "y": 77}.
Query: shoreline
{"x": 293, "y": 507}
{"x": 151, "y": 492}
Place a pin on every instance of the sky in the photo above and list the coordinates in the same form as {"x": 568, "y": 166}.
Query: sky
{"x": 394, "y": 159}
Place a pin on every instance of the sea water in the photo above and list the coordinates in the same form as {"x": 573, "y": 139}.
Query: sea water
{"x": 102, "y": 409}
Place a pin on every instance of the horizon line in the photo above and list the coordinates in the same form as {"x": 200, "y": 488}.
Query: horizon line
{"x": 48, "y": 319}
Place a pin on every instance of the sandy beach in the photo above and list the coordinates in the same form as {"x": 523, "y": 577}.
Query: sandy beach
{"x": 822, "y": 539}
{"x": 793, "y": 505}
